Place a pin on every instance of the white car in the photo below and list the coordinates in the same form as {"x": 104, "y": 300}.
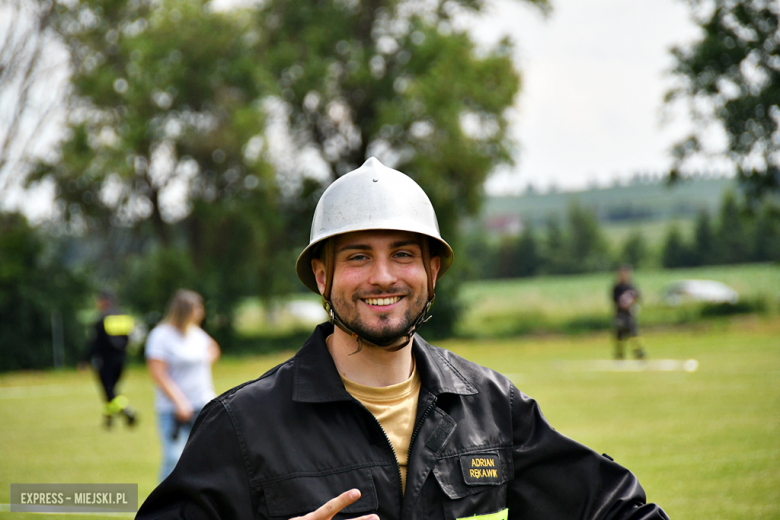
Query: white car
{"x": 708, "y": 291}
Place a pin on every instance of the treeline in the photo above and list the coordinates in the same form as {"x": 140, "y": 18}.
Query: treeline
{"x": 740, "y": 234}
{"x": 39, "y": 299}
{"x": 575, "y": 245}
{"x": 578, "y": 244}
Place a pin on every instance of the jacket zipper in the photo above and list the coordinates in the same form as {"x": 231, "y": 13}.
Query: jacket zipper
{"x": 395, "y": 456}
{"x": 411, "y": 441}
{"x": 420, "y": 423}
{"x": 416, "y": 431}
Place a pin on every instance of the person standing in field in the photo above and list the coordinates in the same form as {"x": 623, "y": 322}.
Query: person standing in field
{"x": 179, "y": 355}
{"x": 368, "y": 420}
{"x": 626, "y": 299}
{"x": 106, "y": 354}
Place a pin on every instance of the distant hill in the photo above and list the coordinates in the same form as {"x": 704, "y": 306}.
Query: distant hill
{"x": 638, "y": 202}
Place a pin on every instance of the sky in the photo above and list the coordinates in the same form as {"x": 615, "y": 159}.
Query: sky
{"x": 594, "y": 76}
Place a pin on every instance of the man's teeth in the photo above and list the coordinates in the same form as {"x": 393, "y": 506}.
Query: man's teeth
{"x": 382, "y": 301}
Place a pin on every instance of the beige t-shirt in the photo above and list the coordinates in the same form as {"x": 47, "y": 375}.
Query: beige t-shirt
{"x": 395, "y": 407}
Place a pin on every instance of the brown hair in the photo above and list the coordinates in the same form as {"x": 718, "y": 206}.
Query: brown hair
{"x": 181, "y": 309}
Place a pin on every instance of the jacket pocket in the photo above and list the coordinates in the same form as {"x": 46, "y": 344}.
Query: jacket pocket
{"x": 304, "y": 494}
{"x": 473, "y": 472}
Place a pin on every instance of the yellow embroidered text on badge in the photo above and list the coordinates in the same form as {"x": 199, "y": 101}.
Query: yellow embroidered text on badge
{"x": 501, "y": 515}
{"x": 481, "y": 469}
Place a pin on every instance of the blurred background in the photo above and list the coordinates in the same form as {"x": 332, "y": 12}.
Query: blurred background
{"x": 151, "y": 145}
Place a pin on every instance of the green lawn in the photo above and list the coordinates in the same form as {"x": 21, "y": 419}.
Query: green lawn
{"x": 703, "y": 444}
{"x": 507, "y": 307}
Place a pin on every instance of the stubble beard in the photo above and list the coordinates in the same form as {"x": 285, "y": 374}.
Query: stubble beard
{"x": 386, "y": 330}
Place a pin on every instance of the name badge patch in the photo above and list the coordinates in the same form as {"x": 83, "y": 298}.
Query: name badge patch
{"x": 481, "y": 469}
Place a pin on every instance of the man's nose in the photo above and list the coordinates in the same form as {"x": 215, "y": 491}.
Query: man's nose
{"x": 382, "y": 273}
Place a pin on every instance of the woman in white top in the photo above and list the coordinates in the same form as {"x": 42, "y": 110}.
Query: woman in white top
{"x": 179, "y": 355}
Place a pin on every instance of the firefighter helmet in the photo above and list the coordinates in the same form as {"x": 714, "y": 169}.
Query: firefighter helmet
{"x": 372, "y": 197}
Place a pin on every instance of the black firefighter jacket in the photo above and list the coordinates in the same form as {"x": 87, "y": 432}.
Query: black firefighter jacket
{"x": 286, "y": 443}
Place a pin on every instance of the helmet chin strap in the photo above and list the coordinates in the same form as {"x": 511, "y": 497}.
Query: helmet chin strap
{"x": 393, "y": 344}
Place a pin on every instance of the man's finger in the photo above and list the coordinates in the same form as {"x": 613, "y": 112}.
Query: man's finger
{"x": 333, "y": 506}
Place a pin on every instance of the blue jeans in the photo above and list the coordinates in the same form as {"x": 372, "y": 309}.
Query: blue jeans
{"x": 172, "y": 448}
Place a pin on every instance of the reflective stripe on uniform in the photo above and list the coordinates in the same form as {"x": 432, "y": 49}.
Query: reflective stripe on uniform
{"x": 118, "y": 325}
{"x": 501, "y": 515}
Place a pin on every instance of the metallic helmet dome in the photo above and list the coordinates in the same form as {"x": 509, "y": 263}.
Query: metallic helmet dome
{"x": 371, "y": 197}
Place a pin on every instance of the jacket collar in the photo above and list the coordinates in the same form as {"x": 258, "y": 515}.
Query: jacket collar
{"x": 316, "y": 379}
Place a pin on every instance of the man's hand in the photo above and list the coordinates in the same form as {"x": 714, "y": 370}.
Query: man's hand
{"x": 333, "y": 506}
{"x": 627, "y": 299}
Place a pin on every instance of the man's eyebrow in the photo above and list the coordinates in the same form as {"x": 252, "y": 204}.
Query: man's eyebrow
{"x": 366, "y": 247}
{"x": 355, "y": 247}
{"x": 404, "y": 243}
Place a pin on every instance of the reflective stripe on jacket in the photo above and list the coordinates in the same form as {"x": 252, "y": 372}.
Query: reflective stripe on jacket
{"x": 286, "y": 443}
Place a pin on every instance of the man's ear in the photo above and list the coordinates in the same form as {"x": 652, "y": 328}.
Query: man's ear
{"x": 318, "y": 266}
{"x": 435, "y": 266}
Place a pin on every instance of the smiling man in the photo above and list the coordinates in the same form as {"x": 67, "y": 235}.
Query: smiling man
{"x": 380, "y": 285}
{"x": 368, "y": 420}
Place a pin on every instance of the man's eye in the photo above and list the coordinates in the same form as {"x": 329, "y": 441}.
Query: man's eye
{"x": 358, "y": 257}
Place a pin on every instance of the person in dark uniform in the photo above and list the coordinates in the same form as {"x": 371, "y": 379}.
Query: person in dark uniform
{"x": 369, "y": 421}
{"x": 626, "y": 299}
{"x": 106, "y": 353}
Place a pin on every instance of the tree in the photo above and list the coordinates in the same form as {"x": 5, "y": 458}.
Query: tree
{"x": 733, "y": 244}
{"x": 555, "y": 256}
{"x": 399, "y": 81}
{"x": 150, "y": 280}
{"x": 395, "y": 80}
{"x": 160, "y": 115}
{"x": 767, "y": 234}
{"x": 635, "y": 249}
{"x": 167, "y": 130}
{"x": 529, "y": 258}
{"x": 32, "y": 86}
{"x": 518, "y": 257}
{"x": 479, "y": 256}
{"x": 166, "y": 140}
{"x": 587, "y": 245}
{"x": 704, "y": 240}
{"x": 36, "y": 293}
{"x": 675, "y": 251}
{"x": 731, "y": 77}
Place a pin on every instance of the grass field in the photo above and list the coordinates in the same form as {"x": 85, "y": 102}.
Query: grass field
{"x": 703, "y": 444}
{"x": 583, "y": 302}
